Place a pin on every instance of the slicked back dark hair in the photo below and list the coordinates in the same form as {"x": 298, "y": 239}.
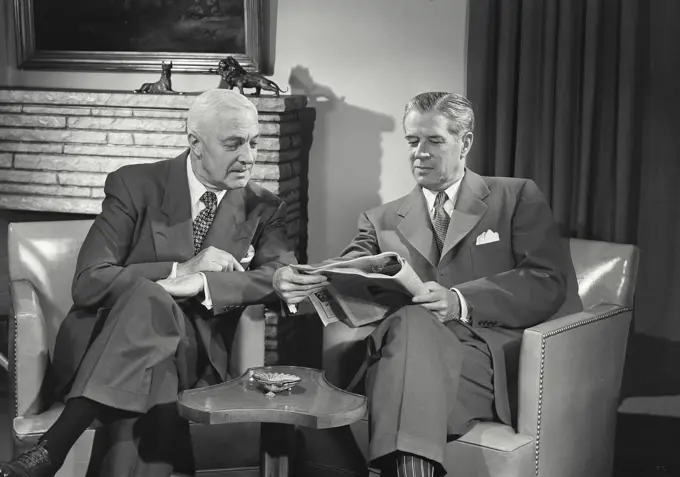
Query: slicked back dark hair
{"x": 455, "y": 107}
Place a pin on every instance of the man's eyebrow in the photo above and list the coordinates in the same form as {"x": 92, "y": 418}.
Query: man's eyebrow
{"x": 238, "y": 137}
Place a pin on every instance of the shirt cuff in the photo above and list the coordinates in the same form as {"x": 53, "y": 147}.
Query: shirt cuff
{"x": 173, "y": 273}
{"x": 207, "y": 302}
{"x": 288, "y": 308}
{"x": 463, "y": 306}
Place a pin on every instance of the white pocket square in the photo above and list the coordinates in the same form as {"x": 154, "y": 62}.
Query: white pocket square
{"x": 487, "y": 237}
{"x": 249, "y": 255}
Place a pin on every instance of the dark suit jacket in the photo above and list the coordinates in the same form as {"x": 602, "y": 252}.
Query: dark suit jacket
{"x": 146, "y": 225}
{"x": 512, "y": 284}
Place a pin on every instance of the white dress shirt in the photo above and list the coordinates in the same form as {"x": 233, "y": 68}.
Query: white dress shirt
{"x": 196, "y": 191}
{"x": 452, "y": 194}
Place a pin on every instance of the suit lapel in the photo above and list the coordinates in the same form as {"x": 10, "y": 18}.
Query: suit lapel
{"x": 416, "y": 227}
{"x": 171, "y": 223}
{"x": 469, "y": 210}
{"x": 232, "y": 229}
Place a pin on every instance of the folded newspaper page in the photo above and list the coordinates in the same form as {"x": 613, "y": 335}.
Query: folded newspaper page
{"x": 363, "y": 290}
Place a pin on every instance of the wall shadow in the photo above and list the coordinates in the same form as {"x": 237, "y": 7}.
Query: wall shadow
{"x": 344, "y": 168}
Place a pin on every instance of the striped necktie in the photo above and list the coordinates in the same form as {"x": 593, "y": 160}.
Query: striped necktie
{"x": 204, "y": 219}
{"x": 440, "y": 220}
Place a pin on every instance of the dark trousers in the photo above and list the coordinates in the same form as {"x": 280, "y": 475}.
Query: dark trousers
{"x": 427, "y": 383}
{"x": 147, "y": 350}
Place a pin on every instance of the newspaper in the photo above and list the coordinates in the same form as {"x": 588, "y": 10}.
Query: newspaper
{"x": 363, "y": 290}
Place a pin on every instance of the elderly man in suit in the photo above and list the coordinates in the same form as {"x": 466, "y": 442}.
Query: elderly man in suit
{"x": 490, "y": 255}
{"x": 160, "y": 284}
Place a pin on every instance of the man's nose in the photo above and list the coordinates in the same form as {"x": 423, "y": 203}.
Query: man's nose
{"x": 248, "y": 156}
{"x": 421, "y": 151}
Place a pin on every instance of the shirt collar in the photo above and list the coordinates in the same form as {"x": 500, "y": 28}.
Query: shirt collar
{"x": 451, "y": 192}
{"x": 196, "y": 188}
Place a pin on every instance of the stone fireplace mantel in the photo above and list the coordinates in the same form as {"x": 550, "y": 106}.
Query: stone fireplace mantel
{"x": 56, "y": 147}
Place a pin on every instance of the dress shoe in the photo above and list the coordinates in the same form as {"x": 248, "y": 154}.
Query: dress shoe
{"x": 35, "y": 462}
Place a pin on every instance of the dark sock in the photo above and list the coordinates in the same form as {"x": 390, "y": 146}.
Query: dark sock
{"x": 73, "y": 421}
{"x": 409, "y": 465}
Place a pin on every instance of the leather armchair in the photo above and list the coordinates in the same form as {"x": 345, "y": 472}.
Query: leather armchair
{"x": 568, "y": 391}
{"x": 42, "y": 258}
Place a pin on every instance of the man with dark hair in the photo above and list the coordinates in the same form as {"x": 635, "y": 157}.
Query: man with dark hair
{"x": 159, "y": 287}
{"x": 493, "y": 263}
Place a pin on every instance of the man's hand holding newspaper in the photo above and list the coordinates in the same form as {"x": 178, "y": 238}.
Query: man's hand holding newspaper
{"x": 362, "y": 290}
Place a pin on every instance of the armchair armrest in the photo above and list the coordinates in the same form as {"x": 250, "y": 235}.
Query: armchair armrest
{"x": 248, "y": 348}
{"x": 29, "y": 354}
{"x": 569, "y": 383}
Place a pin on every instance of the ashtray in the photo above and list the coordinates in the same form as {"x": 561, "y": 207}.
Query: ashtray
{"x": 275, "y": 382}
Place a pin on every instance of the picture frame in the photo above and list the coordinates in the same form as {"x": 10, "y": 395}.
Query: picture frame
{"x": 207, "y": 29}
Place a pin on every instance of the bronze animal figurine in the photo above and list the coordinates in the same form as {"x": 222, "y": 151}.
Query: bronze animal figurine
{"x": 163, "y": 85}
{"x": 234, "y": 74}
{"x": 252, "y": 80}
{"x": 228, "y": 67}
{"x": 230, "y": 63}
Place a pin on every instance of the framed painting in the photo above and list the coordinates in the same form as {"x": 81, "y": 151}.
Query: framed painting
{"x": 136, "y": 35}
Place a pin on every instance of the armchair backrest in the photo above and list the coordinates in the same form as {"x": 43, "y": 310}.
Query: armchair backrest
{"x": 605, "y": 271}
{"x": 45, "y": 254}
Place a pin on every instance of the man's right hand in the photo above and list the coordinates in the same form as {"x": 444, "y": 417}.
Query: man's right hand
{"x": 210, "y": 259}
{"x": 293, "y": 287}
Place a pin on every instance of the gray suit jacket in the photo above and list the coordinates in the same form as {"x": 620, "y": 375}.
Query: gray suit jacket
{"x": 509, "y": 285}
{"x": 146, "y": 225}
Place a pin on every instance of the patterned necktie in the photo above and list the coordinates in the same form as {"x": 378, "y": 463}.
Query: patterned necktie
{"x": 204, "y": 219}
{"x": 440, "y": 220}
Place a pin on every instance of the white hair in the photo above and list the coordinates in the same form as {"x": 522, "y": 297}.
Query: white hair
{"x": 211, "y": 105}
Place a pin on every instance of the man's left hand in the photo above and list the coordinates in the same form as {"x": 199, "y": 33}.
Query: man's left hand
{"x": 444, "y": 303}
{"x": 183, "y": 287}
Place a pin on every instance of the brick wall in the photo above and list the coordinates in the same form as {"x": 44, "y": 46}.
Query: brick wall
{"x": 56, "y": 147}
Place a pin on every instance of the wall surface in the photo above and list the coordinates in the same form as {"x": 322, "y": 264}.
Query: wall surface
{"x": 359, "y": 61}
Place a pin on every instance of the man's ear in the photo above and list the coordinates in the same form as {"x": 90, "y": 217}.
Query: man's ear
{"x": 195, "y": 145}
{"x": 467, "y": 140}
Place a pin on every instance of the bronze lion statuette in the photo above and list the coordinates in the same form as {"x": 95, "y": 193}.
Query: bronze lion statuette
{"x": 234, "y": 74}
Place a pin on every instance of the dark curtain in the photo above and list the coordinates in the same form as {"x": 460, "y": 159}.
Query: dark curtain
{"x": 583, "y": 96}
{"x": 553, "y": 84}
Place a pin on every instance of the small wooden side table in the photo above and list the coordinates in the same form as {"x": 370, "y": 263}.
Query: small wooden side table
{"x": 313, "y": 402}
